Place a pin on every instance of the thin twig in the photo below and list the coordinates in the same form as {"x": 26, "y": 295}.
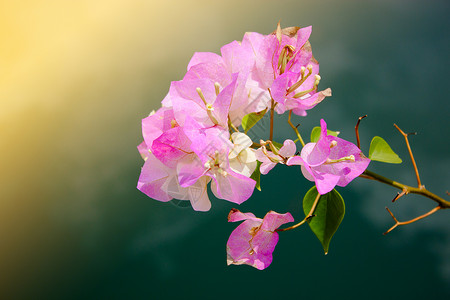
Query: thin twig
{"x": 405, "y": 135}
{"x": 309, "y": 216}
{"x": 397, "y": 223}
{"x": 295, "y": 129}
{"x": 357, "y": 130}
{"x": 411, "y": 190}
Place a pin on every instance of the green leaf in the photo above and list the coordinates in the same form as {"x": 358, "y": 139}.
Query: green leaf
{"x": 381, "y": 151}
{"x": 329, "y": 213}
{"x": 278, "y": 145}
{"x": 315, "y": 134}
{"x": 248, "y": 121}
{"x": 257, "y": 175}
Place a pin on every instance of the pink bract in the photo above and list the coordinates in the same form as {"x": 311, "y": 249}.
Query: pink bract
{"x": 287, "y": 100}
{"x": 254, "y": 241}
{"x": 213, "y": 147}
{"x": 161, "y": 183}
{"x": 331, "y": 161}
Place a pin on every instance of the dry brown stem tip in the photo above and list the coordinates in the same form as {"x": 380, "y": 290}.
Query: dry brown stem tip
{"x": 397, "y": 223}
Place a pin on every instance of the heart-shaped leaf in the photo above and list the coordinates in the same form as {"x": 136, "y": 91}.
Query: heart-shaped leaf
{"x": 381, "y": 151}
{"x": 328, "y": 214}
{"x": 248, "y": 121}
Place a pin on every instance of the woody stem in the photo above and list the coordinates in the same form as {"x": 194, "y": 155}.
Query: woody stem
{"x": 405, "y": 135}
{"x": 357, "y": 131}
{"x": 421, "y": 190}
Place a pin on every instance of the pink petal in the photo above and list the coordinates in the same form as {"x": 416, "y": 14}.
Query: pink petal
{"x": 240, "y": 105}
{"x": 153, "y": 175}
{"x": 307, "y": 172}
{"x": 184, "y": 107}
{"x": 295, "y": 160}
{"x": 214, "y": 72}
{"x": 143, "y": 150}
{"x": 288, "y": 149}
{"x": 265, "y": 69}
{"x": 153, "y": 126}
{"x": 235, "y": 216}
{"x": 253, "y": 242}
{"x": 239, "y": 249}
{"x": 188, "y": 90}
{"x": 252, "y": 40}
{"x": 303, "y": 35}
{"x": 264, "y": 243}
{"x": 347, "y": 170}
{"x": 266, "y": 167}
{"x": 279, "y": 87}
{"x": 171, "y": 146}
{"x": 223, "y": 102}
{"x": 233, "y": 187}
{"x": 325, "y": 182}
{"x": 190, "y": 172}
{"x": 206, "y": 141}
{"x": 272, "y": 220}
{"x": 261, "y": 156}
{"x": 204, "y": 57}
{"x": 167, "y": 101}
{"x": 315, "y": 154}
{"x": 237, "y": 57}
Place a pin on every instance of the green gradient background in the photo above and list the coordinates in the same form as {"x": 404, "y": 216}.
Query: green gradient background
{"x": 76, "y": 78}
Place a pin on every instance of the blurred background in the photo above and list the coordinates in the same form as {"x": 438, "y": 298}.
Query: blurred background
{"x": 77, "y": 77}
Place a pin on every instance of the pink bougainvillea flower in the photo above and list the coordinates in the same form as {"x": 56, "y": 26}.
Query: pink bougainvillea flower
{"x": 298, "y": 91}
{"x": 212, "y": 146}
{"x": 203, "y": 100}
{"x": 161, "y": 183}
{"x": 153, "y": 175}
{"x": 254, "y": 241}
{"x": 281, "y": 51}
{"x": 269, "y": 159}
{"x": 331, "y": 161}
{"x": 237, "y": 60}
{"x": 157, "y": 123}
{"x": 171, "y": 146}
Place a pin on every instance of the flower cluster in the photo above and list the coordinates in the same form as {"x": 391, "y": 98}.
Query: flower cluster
{"x": 194, "y": 138}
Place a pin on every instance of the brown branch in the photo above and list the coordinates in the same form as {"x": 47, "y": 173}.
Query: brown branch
{"x": 405, "y": 135}
{"x": 357, "y": 130}
{"x": 411, "y": 190}
{"x": 398, "y": 223}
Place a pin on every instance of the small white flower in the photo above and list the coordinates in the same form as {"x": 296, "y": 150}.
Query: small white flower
{"x": 242, "y": 158}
